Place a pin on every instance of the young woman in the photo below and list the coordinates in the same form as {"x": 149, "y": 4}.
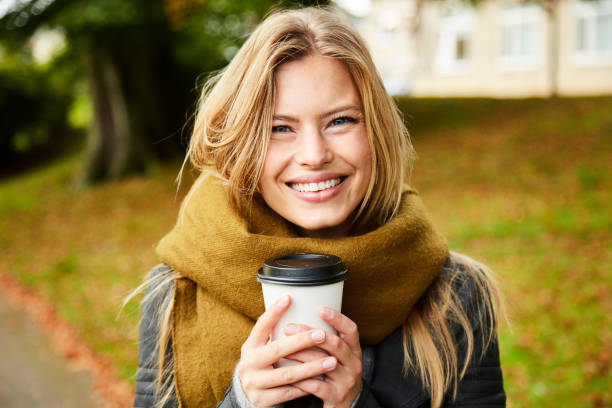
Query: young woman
{"x": 301, "y": 150}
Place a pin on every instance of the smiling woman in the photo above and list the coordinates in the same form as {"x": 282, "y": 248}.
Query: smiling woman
{"x": 302, "y": 150}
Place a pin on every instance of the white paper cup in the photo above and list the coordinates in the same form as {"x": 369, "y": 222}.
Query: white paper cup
{"x": 305, "y": 304}
{"x": 312, "y": 281}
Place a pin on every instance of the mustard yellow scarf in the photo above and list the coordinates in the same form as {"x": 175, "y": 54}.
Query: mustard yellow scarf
{"x": 218, "y": 251}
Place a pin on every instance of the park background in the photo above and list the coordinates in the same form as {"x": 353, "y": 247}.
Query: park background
{"x": 96, "y": 100}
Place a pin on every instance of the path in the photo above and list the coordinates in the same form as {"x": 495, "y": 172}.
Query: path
{"x": 32, "y": 375}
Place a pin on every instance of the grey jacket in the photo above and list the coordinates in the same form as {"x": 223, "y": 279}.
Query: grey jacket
{"x": 383, "y": 384}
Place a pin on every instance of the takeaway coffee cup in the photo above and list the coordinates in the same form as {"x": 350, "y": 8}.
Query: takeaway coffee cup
{"x": 312, "y": 281}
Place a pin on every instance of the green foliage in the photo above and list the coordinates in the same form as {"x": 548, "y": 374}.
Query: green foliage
{"x": 209, "y": 38}
{"x": 33, "y": 105}
{"x": 80, "y": 111}
{"x": 79, "y": 17}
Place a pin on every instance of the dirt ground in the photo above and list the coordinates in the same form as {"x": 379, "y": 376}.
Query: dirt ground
{"x": 32, "y": 374}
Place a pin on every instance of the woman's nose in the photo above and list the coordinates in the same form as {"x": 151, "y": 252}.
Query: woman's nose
{"x": 313, "y": 149}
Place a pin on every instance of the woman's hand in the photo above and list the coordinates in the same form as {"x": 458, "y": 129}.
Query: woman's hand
{"x": 342, "y": 385}
{"x": 265, "y": 385}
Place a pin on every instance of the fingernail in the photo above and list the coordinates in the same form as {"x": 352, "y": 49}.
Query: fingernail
{"x": 318, "y": 336}
{"x": 327, "y": 312}
{"x": 291, "y": 328}
{"x": 329, "y": 363}
{"x": 282, "y": 301}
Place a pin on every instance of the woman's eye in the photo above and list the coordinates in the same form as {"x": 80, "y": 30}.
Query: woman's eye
{"x": 342, "y": 120}
{"x": 280, "y": 129}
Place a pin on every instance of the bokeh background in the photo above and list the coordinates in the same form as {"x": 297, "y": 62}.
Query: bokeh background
{"x": 509, "y": 105}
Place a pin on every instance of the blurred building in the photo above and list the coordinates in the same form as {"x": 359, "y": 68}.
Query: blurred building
{"x": 500, "y": 48}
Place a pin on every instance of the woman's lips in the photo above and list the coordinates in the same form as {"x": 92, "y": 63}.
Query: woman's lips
{"x": 321, "y": 195}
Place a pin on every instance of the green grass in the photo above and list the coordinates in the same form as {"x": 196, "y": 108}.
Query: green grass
{"x": 85, "y": 251}
{"x": 523, "y": 185}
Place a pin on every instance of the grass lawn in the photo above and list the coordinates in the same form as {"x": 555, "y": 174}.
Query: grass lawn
{"x": 523, "y": 185}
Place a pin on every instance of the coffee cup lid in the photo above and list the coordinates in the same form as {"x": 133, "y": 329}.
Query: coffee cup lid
{"x": 302, "y": 270}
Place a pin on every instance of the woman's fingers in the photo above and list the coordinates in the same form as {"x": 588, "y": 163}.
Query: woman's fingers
{"x": 347, "y": 329}
{"x": 338, "y": 389}
{"x": 275, "y": 350}
{"x": 318, "y": 388}
{"x": 307, "y": 355}
{"x": 345, "y": 375}
{"x": 345, "y": 346}
{"x": 275, "y": 396}
{"x": 266, "y": 355}
{"x": 338, "y": 348}
{"x": 265, "y": 324}
{"x": 293, "y": 328}
{"x": 265, "y": 385}
{"x": 294, "y": 373}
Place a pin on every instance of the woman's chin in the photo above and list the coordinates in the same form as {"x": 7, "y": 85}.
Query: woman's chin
{"x": 323, "y": 230}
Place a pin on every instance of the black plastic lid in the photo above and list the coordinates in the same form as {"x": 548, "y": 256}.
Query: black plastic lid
{"x": 302, "y": 270}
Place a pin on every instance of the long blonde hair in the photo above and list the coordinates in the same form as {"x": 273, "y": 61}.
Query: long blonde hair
{"x": 230, "y": 136}
{"x": 234, "y": 120}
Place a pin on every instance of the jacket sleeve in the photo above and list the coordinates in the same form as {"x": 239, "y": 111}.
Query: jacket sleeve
{"x": 366, "y": 399}
{"x": 482, "y": 385}
{"x": 145, "y": 396}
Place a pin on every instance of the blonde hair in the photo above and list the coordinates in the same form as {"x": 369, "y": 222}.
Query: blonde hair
{"x": 464, "y": 299}
{"x": 230, "y": 135}
{"x": 234, "y": 120}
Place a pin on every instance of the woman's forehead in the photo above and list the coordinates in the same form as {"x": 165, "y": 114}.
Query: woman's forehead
{"x": 314, "y": 82}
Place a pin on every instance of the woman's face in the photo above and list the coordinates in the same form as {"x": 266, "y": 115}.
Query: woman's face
{"x": 318, "y": 164}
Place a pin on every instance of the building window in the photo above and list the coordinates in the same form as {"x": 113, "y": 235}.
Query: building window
{"x": 453, "y": 52}
{"x": 593, "y": 32}
{"x": 521, "y": 33}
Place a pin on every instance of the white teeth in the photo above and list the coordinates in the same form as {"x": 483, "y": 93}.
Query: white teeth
{"x": 310, "y": 187}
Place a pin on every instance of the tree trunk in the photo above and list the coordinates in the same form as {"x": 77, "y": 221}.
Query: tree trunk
{"x": 552, "y": 11}
{"x": 110, "y": 146}
{"x": 130, "y": 121}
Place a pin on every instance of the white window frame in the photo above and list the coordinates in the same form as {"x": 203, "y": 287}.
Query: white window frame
{"x": 452, "y": 28}
{"x": 515, "y": 20}
{"x": 589, "y": 11}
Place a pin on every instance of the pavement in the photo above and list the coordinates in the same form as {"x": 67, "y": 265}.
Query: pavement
{"x": 32, "y": 374}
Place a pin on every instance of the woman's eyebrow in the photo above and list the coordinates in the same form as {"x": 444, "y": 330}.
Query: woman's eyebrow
{"x": 342, "y": 109}
{"x": 332, "y": 112}
{"x": 284, "y": 118}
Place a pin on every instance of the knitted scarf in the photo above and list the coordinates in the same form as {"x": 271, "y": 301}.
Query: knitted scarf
{"x": 218, "y": 251}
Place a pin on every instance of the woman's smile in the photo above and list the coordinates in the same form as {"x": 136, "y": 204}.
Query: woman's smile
{"x": 317, "y": 192}
{"x": 318, "y": 163}
{"x": 315, "y": 186}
